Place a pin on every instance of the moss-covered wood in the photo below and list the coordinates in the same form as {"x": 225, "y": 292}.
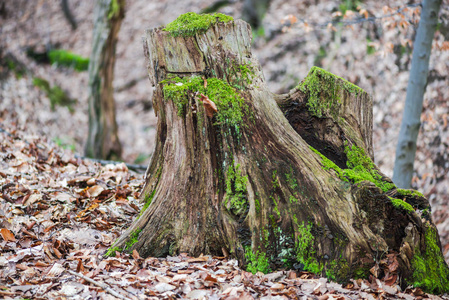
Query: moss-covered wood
{"x": 257, "y": 182}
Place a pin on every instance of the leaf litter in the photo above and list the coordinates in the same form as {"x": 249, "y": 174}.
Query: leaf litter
{"x": 59, "y": 214}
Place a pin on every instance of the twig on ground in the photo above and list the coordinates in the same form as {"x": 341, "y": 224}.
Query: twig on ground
{"x": 102, "y": 285}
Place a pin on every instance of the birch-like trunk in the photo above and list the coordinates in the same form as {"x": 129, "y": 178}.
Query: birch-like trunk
{"x": 411, "y": 118}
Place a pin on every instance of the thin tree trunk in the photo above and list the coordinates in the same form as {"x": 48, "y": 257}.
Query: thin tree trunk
{"x": 275, "y": 180}
{"x": 254, "y": 11}
{"x": 103, "y": 141}
{"x": 68, "y": 14}
{"x": 411, "y": 118}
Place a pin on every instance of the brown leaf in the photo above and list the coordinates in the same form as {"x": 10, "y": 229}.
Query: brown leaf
{"x": 277, "y": 286}
{"x": 198, "y": 259}
{"x": 210, "y": 278}
{"x": 136, "y": 254}
{"x": 209, "y": 106}
{"x": 57, "y": 253}
{"x": 189, "y": 271}
{"x": 7, "y": 235}
{"x": 80, "y": 266}
{"x": 417, "y": 292}
{"x": 95, "y": 190}
{"x": 393, "y": 266}
{"x": 375, "y": 270}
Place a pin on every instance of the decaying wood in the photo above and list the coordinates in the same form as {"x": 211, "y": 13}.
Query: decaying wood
{"x": 288, "y": 195}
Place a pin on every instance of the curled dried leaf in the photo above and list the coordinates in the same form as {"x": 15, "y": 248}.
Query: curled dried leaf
{"x": 209, "y": 106}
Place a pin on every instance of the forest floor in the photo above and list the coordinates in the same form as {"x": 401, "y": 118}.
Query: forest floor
{"x": 374, "y": 56}
{"x": 59, "y": 214}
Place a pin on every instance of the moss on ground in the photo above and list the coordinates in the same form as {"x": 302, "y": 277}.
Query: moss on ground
{"x": 191, "y": 23}
{"x": 68, "y": 59}
{"x": 13, "y": 65}
{"x": 56, "y": 95}
{"x": 257, "y": 262}
{"x": 430, "y": 271}
{"x": 323, "y": 89}
{"x": 338, "y": 270}
{"x": 362, "y": 272}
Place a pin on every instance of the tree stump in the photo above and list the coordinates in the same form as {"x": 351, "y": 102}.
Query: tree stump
{"x": 277, "y": 181}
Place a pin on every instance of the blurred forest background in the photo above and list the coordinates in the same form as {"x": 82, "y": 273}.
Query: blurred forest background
{"x": 293, "y": 36}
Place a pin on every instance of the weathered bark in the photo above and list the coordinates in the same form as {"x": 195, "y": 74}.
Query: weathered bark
{"x": 102, "y": 141}
{"x": 411, "y": 118}
{"x": 254, "y": 187}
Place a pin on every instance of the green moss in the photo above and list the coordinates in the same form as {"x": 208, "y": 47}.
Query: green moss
{"x": 247, "y": 73}
{"x": 305, "y": 250}
{"x": 257, "y": 262}
{"x": 401, "y": 204}
{"x": 430, "y": 271}
{"x": 276, "y": 209}
{"x": 338, "y": 270}
{"x": 293, "y": 199}
{"x": 68, "y": 59}
{"x": 133, "y": 238}
{"x": 360, "y": 168}
{"x": 231, "y": 106}
{"x": 148, "y": 199}
{"x": 257, "y": 203}
{"x": 275, "y": 184}
{"x": 291, "y": 180}
{"x": 328, "y": 164}
{"x": 236, "y": 198}
{"x": 56, "y": 95}
{"x": 275, "y": 181}
{"x": 114, "y": 9}
{"x": 65, "y": 142}
{"x": 111, "y": 251}
{"x": 191, "y": 23}
{"x": 412, "y": 193}
{"x": 323, "y": 89}
{"x": 17, "y": 68}
{"x": 362, "y": 272}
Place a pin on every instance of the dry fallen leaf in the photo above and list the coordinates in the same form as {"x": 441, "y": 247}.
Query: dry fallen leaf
{"x": 209, "y": 106}
{"x": 7, "y": 235}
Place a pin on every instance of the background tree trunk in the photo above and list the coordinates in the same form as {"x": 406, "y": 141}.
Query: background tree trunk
{"x": 253, "y": 12}
{"x": 68, "y": 14}
{"x": 274, "y": 188}
{"x": 411, "y": 118}
{"x": 103, "y": 141}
